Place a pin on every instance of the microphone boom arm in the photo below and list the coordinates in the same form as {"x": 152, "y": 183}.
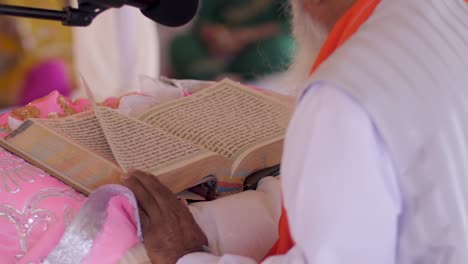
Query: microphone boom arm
{"x": 172, "y": 13}
{"x": 81, "y": 16}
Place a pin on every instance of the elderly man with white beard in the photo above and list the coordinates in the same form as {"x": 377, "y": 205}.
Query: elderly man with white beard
{"x": 375, "y": 163}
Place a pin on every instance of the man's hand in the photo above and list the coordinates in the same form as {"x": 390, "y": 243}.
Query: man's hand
{"x": 169, "y": 230}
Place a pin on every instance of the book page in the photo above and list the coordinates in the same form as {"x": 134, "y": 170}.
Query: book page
{"x": 84, "y": 129}
{"x": 227, "y": 118}
{"x": 137, "y": 145}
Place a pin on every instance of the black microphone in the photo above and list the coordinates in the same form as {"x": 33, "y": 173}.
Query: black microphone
{"x": 171, "y": 13}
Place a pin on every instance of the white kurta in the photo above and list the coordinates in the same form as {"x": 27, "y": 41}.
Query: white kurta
{"x": 339, "y": 189}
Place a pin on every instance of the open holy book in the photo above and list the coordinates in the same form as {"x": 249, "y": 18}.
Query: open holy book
{"x": 226, "y": 131}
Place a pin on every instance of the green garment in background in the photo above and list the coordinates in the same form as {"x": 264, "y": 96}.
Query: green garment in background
{"x": 191, "y": 58}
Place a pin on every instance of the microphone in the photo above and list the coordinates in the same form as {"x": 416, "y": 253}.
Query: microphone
{"x": 172, "y": 13}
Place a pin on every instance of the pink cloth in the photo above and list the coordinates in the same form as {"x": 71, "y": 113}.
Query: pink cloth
{"x": 35, "y": 208}
{"x": 118, "y": 235}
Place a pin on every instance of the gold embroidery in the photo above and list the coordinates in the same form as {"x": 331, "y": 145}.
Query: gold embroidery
{"x": 5, "y": 128}
{"x": 54, "y": 115}
{"x": 26, "y": 112}
{"x": 64, "y": 105}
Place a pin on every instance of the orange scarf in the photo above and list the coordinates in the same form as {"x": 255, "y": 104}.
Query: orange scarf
{"x": 342, "y": 31}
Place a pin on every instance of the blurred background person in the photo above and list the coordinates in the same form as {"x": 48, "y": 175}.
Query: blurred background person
{"x": 241, "y": 39}
{"x": 40, "y": 56}
{"x": 35, "y": 56}
{"x": 10, "y": 53}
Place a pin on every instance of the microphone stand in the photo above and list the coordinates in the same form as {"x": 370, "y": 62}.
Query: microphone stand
{"x": 81, "y": 16}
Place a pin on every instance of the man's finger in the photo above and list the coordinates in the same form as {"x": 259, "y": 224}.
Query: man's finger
{"x": 145, "y": 199}
{"x": 144, "y": 219}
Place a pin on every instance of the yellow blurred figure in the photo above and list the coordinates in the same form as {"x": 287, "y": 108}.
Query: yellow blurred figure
{"x": 26, "y": 42}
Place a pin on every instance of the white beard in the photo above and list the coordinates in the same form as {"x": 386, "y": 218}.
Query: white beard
{"x": 309, "y": 35}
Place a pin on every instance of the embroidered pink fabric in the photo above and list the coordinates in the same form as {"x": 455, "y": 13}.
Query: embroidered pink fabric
{"x": 35, "y": 208}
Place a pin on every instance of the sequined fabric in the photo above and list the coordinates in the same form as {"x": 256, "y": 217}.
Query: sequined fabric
{"x": 15, "y": 171}
{"x": 32, "y": 204}
{"x": 32, "y": 221}
{"x": 43, "y": 220}
{"x": 35, "y": 208}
